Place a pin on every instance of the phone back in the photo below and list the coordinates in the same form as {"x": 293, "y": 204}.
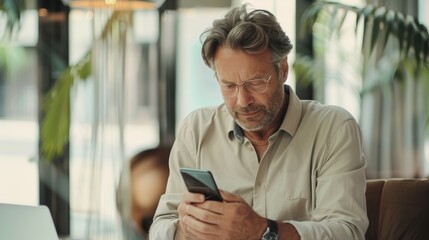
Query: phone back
{"x": 201, "y": 181}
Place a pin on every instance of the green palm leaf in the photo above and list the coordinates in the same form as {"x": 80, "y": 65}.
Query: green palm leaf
{"x": 409, "y": 32}
{"x": 389, "y": 24}
{"x": 378, "y": 23}
{"x": 56, "y": 105}
{"x": 379, "y": 26}
{"x": 13, "y": 14}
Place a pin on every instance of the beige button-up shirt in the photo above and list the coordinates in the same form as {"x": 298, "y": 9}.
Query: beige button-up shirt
{"x": 312, "y": 174}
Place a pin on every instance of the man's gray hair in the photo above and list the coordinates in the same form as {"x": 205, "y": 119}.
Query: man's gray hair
{"x": 251, "y": 32}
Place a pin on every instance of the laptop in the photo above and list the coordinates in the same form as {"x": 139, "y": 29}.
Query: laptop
{"x": 21, "y": 222}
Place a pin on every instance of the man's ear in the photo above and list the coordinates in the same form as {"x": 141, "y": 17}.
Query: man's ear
{"x": 284, "y": 69}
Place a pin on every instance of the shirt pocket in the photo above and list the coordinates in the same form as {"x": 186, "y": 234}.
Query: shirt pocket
{"x": 296, "y": 192}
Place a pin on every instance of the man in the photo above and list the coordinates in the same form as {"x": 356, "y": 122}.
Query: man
{"x": 289, "y": 169}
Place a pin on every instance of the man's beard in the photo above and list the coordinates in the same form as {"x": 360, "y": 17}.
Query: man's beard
{"x": 269, "y": 114}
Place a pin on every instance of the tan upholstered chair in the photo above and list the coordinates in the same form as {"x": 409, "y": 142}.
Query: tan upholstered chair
{"x": 398, "y": 209}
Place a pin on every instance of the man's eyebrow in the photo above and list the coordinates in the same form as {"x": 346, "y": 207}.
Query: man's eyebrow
{"x": 225, "y": 81}
{"x": 254, "y": 76}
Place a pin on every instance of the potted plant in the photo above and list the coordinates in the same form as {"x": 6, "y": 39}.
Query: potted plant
{"x": 392, "y": 68}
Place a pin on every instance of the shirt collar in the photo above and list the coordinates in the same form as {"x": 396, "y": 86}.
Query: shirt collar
{"x": 290, "y": 122}
{"x": 238, "y": 133}
{"x": 292, "y": 118}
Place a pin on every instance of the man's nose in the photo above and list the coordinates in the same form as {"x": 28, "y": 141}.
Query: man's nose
{"x": 244, "y": 98}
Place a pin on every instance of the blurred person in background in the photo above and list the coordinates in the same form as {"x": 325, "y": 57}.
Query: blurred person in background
{"x": 148, "y": 174}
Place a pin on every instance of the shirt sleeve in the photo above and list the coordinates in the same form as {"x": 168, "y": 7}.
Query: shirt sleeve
{"x": 182, "y": 155}
{"x": 340, "y": 209}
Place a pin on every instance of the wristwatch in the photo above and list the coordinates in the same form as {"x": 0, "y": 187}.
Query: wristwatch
{"x": 272, "y": 233}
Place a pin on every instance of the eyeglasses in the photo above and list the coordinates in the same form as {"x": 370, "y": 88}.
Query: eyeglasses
{"x": 253, "y": 86}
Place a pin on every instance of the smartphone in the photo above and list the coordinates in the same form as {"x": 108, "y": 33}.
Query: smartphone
{"x": 201, "y": 181}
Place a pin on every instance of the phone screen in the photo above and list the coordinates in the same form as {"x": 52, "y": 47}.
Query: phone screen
{"x": 201, "y": 181}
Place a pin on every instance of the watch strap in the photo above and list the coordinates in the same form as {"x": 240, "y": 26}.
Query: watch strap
{"x": 272, "y": 225}
{"x": 272, "y": 231}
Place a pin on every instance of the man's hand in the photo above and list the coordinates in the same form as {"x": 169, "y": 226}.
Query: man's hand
{"x": 182, "y": 231}
{"x": 231, "y": 219}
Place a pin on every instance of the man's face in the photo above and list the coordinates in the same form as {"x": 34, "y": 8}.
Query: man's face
{"x": 252, "y": 110}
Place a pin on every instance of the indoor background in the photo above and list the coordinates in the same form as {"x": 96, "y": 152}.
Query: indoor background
{"x": 84, "y": 87}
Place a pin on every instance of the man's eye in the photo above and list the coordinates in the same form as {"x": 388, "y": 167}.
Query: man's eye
{"x": 229, "y": 86}
{"x": 255, "y": 83}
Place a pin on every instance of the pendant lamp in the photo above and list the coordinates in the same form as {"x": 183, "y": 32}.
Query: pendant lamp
{"x": 114, "y": 4}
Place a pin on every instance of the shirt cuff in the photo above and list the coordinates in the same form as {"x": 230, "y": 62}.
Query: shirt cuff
{"x": 304, "y": 230}
{"x": 164, "y": 229}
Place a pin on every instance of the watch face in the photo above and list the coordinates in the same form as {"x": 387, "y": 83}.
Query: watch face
{"x": 270, "y": 236}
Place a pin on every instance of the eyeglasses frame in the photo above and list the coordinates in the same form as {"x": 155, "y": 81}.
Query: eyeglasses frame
{"x": 266, "y": 81}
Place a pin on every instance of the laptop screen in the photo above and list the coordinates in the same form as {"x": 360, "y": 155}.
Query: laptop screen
{"x": 20, "y": 222}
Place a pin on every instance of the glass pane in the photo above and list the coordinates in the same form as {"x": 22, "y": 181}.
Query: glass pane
{"x": 18, "y": 115}
{"x": 424, "y": 18}
{"x": 196, "y": 85}
{"x": 140, "y": 114}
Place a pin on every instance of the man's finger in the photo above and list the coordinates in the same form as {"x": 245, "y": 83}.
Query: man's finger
{"x": 189, "y": 197}
{"x": 203, "y": 214}
{"x": 230, "y": 197}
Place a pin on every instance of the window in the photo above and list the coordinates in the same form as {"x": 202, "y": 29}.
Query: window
{"x": 140, "y": 115}
{"x": 424, "y": 18}
{"x": 18, "y": 115}
{"x": 19, "y": 126}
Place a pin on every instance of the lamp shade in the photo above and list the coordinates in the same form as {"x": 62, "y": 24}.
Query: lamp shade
{"x": 114, "y": 4}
